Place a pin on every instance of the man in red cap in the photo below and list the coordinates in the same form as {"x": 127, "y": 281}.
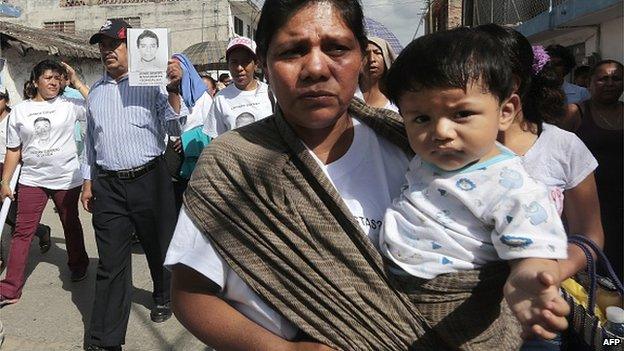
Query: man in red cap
{"x": 127, "y": 186}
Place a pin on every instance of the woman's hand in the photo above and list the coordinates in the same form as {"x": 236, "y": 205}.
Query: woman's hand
{"x": 6, "y": 191}
{"x": 71, "y": 73}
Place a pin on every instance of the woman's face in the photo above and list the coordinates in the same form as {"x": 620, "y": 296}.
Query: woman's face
{"x": 48, "y": 84}
{"x": 606, "y": 83}
{"x": 312, "y": 64}
{"x": 374, "y": 65}
{"x": 242, "y": 66}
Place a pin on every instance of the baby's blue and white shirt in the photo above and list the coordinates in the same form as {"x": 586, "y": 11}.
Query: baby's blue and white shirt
{"x": 445, "y": 222}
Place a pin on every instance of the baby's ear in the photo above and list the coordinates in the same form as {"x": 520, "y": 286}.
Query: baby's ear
{"x": 509, "y": 110}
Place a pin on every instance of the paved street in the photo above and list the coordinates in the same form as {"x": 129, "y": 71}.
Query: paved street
{"x": 53, "y": 312}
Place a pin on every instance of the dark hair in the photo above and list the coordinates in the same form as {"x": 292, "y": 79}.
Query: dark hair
{"x": 275, "y": 13}
{"x": 42, "y": 119}
{"x": 147, "y": 34}
{"x": 30, "y": 90}
{"x": 567, "y": 59}
{"x": 450, "y": 59}
{"x": 223, "y": 76}
{"x": 581, "y": 70}
{"x": 541, "y": 94}
{"x": 605, "y": 62}
{"x": 212, "y": 80}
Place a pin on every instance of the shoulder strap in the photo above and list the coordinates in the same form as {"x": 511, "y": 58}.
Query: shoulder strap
{"x": 272, "y": 99}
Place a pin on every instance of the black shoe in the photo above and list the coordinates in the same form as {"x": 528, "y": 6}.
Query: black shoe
{"x": 44, "y": 240}
{"x": 160, "y": 313}
{"x": 101, "y": 348}
{"x": 79, "y": 275}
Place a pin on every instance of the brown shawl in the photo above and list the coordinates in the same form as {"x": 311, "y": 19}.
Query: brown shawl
{"x": 278, "y": 222}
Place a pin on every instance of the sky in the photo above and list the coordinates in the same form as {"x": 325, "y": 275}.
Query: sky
{"x": 400, "y": 16}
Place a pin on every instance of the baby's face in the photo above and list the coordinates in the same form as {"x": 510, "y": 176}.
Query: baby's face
{"x": 452, "y": 128}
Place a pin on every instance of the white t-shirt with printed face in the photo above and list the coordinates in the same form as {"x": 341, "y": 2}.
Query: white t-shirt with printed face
{"x": 233, "y": 108}
{"x": 45, "y": 130}
{"x": 367, "y": 177}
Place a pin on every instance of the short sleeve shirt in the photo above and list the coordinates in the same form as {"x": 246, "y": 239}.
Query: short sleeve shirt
{"x": 45, "y": 131}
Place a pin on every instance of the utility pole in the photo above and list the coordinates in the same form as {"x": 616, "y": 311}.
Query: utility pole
{"x": 202, "y": 29}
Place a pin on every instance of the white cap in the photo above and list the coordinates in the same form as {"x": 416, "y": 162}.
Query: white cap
{"x": 241, "y": 42}
{"x": 615, "y": 314}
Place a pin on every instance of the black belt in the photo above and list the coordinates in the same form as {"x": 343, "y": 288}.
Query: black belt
{"x": 132, "y": 173}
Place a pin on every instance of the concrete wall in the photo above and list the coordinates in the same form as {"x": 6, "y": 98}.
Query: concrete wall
{"x": 17, "y": 70}
{"x": 454, "y": 13}
{"x": 611, "y": 43}
{"x": 183, "y": 18}
{"x": 612, "y": 39}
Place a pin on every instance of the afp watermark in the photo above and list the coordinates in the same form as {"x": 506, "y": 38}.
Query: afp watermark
{"x": 611, "y": 342}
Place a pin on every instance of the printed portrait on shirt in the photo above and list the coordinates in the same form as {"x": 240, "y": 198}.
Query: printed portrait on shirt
{"x": 42, "y": 130}
{"x": 244, "y": 119}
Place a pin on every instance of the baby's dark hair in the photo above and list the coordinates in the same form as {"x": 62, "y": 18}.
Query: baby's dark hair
{"x": 450, "y": 59}
{"x": 540, "y": 93}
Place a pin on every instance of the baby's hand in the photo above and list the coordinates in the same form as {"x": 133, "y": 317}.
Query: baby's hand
{"x": 532, "y": 292}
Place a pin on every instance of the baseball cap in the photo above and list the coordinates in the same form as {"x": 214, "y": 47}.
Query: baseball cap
{"x": 241, "y": 42}
{"x": 115, "y": 29}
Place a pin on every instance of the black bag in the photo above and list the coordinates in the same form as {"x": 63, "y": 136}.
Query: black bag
{"x": 173, "y": 159}
{"x": 582, "y": 319}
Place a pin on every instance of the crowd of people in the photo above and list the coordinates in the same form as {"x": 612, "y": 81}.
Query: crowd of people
{"x": 355, "y": 200}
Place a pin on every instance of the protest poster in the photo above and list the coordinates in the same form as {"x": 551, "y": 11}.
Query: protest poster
{"x": 148, "y": 52}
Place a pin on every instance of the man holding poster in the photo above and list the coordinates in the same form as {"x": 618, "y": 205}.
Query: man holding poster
{"x": 127, "y": 186}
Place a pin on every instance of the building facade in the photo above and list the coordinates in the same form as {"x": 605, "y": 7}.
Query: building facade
{"x": 593, "y": 29}
{"x": 189, "y": 21}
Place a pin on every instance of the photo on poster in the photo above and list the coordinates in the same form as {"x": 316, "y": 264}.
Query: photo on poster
{"x": 148, "y": 52}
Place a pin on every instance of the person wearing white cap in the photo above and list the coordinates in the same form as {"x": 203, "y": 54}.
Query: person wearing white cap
{"x": 247, "y": 100}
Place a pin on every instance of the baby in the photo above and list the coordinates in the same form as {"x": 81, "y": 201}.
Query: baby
{"x": 468, "y": 203}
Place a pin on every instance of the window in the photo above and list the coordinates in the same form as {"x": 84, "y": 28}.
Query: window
{"x": 238, "y": 26}
{"x": 133, "y": 21}
{"x": 249, "y": 32}
{"x": 61, "y": 26}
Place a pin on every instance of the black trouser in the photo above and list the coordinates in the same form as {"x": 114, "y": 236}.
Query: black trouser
{"x": 145, "y": 205}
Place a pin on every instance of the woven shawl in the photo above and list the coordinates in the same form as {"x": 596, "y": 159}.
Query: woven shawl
{"x": 279, "y": 223}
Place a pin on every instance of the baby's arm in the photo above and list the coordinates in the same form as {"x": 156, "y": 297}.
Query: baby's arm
{"x": 532, "y": 292}
{"x": 529, "y": 234}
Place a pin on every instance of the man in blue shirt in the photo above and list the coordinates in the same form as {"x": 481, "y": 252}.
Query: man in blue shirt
{"x": 563, "y": 62}
{"x": 127, "y": 187}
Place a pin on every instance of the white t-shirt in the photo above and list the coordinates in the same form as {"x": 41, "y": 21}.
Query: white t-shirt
{"x": 233, "y": 108}
{"x": 197, "y": 113}
{"x": 45, "y": 130}
{"x": 3, "y": 137}
{"x": 389, "y": 106}
{"x": 446, "y": 222}
{"x": 560, "y": 160}
{"x": 367, "y": 177}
